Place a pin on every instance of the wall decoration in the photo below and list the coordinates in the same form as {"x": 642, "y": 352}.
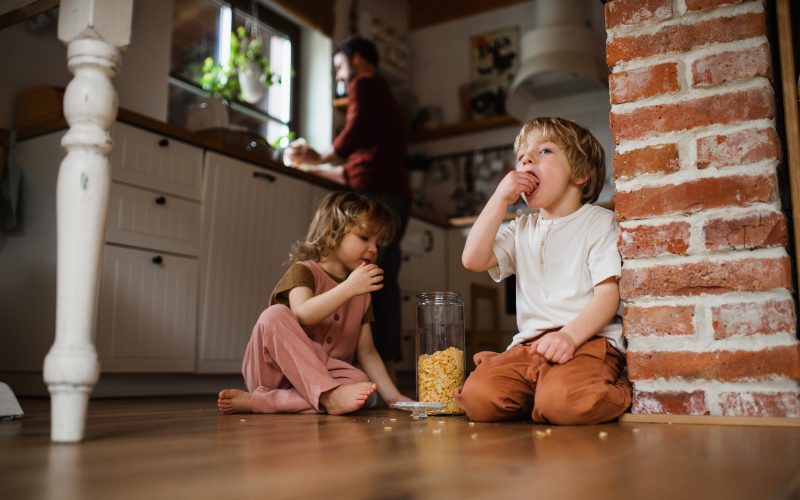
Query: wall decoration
{"x": 483, "y": 98}
{"x": 495, "y": 54}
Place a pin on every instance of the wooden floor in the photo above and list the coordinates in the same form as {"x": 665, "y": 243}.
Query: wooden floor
{"x": 182, "y": 448}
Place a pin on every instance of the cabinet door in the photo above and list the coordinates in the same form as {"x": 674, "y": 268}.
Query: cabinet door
{"x": 145, "y": 219}
{"x": 251, "y": 217}
{"x": 316, "y": 193}
{"x": 28, "y": 260}
{"x": 146, "y": 312}
{"x": 153, "y": 161}
{"x": 409, "y": 329}
{"x": 424, "y": 248}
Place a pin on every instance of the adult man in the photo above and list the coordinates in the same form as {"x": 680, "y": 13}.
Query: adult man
{"x": 373, "y": 147}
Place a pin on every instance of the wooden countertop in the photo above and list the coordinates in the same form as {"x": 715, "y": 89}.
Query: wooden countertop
{"x": 39, "y": 111}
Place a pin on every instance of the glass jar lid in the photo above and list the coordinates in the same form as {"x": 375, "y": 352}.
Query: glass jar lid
{"x": 439, "y": 298}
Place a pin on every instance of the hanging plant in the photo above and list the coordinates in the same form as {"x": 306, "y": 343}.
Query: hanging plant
{"x": 244, "y": 76}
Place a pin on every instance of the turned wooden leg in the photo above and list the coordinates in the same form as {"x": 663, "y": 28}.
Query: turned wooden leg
{"x": 94, "y": 31}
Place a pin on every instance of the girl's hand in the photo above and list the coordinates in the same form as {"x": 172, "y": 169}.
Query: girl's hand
{"x": 557, "y": 347}
{"x": 514, "y": 184}
{"x": 366, "y": 278}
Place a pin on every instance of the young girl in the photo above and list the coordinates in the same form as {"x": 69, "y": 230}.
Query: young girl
{"x": 299, "y": 358}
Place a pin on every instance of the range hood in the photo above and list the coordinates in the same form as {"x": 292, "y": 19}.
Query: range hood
{"x": 562, "y": 57}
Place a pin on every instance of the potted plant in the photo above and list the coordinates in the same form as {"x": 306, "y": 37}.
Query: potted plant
{"x": 246, "y": 73}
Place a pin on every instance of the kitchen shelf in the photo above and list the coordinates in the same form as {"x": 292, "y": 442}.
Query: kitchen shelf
{"x": 462, "y": 128}
{"x": 452, "y": 130}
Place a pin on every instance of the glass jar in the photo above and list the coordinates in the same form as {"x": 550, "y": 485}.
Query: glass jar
{"x": 440, "y": 349}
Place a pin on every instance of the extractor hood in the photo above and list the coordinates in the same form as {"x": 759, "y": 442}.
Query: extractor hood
{"x": 562, "y": 57}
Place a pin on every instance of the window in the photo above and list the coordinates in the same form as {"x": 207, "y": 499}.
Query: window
{"x": 202, "y": 28}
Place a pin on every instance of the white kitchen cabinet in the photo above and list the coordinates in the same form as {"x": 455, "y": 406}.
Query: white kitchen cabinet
{"x": 143, "y": 158}
{"x": 147, "y": 307}
{"x": 251, "y": 217}
{"x": 486, "y": 325}
{"x": 146, "y": 324}
{"x": 28, "y": 260}
{"x": 408, "y": 332}
{"x": 148, "y": 219}
{"x": 147, "y": 311}
{"x": 424, "y": 249}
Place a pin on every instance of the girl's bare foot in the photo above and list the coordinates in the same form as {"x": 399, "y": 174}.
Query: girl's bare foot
{"x": 234, "y": 401}
{"x": 346, "y": 398}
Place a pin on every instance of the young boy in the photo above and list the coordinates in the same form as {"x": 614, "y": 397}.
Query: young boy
{"x": 565, "y": 364}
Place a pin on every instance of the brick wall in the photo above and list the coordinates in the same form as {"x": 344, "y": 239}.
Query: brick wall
{"x": 707, "y": 282}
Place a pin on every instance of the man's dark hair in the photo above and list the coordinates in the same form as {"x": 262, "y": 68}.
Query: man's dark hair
{"x": 361, "y": 46}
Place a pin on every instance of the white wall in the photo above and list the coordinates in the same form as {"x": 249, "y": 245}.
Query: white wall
{"x": 441, "y": 64}
{"x": 36, "y": 60}
{"x": 441, "y": 54}
{"x": 316, "y": 112}
{"x": 41, "y": 59}
{"x": 392, "y": 13}
{"x": 142, "y": 83}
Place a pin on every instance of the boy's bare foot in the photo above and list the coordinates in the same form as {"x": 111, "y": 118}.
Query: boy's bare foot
{"x": 234, "y": 401}
{"x": 346, "y": 398}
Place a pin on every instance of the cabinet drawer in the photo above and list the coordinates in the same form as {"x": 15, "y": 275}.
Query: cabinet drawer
{"x": 151, "y": 220}
{"x": 156, "y": 162}
{"x": 146, "y": 312}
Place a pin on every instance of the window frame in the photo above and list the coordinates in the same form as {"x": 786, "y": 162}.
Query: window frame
{"x": 281, "y": 24}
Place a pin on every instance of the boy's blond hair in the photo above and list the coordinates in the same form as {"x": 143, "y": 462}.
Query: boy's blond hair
{"x": 584, "y": 152}
{"x": 338, "y": 213}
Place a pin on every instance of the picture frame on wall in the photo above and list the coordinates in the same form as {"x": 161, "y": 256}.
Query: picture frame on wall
{"x": 483, "y": 99}
{"x": 494, "y": 55}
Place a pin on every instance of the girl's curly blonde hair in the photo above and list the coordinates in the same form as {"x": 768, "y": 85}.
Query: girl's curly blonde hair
{"x": 338, "y": 213}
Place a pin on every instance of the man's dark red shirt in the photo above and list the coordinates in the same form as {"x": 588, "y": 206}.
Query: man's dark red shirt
{"x": 373, "y": 139}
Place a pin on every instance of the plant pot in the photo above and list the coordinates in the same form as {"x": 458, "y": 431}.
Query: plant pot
{"x": 250, "y": 82}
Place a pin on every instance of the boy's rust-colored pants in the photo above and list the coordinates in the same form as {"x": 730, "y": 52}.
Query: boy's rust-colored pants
{"x": 588, "y": 389}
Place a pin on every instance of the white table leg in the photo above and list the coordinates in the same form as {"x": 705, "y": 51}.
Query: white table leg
{"x": 94, "y": 31}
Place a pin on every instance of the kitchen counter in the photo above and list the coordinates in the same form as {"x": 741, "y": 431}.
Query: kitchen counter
{"x": 39, "y": 111}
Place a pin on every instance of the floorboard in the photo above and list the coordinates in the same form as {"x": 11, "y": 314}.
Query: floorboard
{"x": 182, "y": 448}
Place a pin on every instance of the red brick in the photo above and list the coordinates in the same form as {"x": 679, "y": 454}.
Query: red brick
{"x": 732, "y": 66}
{"x": 748, "y": 275}
{"x": 760, "y": 404}
{"x": 723, "y": 109}
{"x": 753, "y": 231}
{"x": 636, "y": 11}
{"x": 693, "y": 196}
{"x": 685, "y": 37}
{"x": 708, "y": 4}
{"x": 658, "y": 320}
{"x": 669, "y": 403}
{"x": 626, "y": 86}
{"x": 724, "y": 366}
{"x": 649, "y": 241}
{"x": 753, "y": 318}
{"x": 659, "y": 159}
{"x": 739, "y": 148}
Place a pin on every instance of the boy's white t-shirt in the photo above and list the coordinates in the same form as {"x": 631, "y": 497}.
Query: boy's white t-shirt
{"x": 558, "y": 262}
